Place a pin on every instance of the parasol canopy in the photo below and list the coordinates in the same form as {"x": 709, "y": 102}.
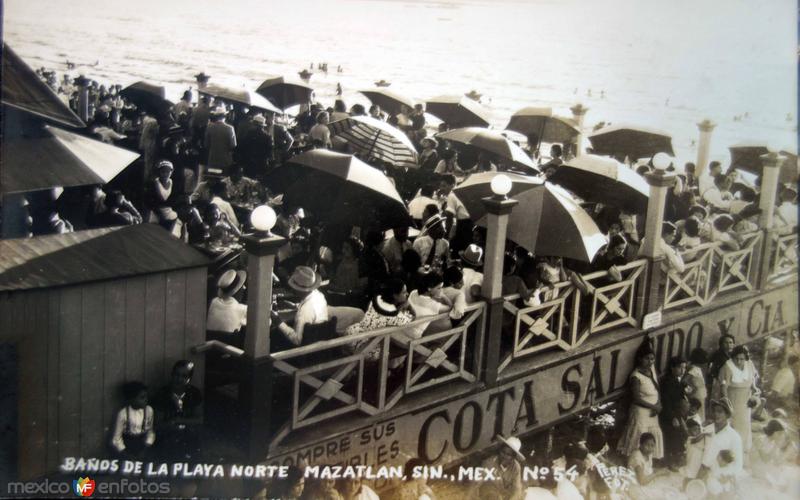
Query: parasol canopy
{"x": 458, "y": 111}
{"x": 285, "y": 91}
{"x": 240, "y": 95}
{"x": 492, "y": 142}
{"x": 338, "y": 187}
{"x": 542, "y": 122}
{"x": 604, "y": 180}
{"x": 622, "y": 141}
{"x": 148, "y": 96}
{"x": 376, "y": 139}
{"x": 748, "y": 157}
{"x": 478, "y": 186}
{"x": 389, "y": 101}
{"x": 51, "y": 157}
{"x": 549, "y": 222}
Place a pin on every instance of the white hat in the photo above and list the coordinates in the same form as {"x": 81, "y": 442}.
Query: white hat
{"x": 515, "y": 444}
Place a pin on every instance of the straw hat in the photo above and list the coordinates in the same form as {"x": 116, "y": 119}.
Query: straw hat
{"x": 432, "y": 222}
{"x": 473, "y": 255}
{"x": 165, "y": 164}
{"x": 260, "y": 120}
{"x": 304, "y": 279}
{"x": 515, "y": 445}
{"x": 219, "y": 111}
{"x": 434, "y": 142}
{"x": 231, "y": 282}
{"x": 723, "y": 403}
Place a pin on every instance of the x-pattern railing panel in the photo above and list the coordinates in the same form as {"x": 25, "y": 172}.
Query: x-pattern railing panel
{"x": 693, "y": 284}
{"x": 614, "y": 304}
{"x": 784, "y": 254}
{"x": 735, "y": 266}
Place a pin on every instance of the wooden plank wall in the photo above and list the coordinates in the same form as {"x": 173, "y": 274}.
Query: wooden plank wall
{"x": 77, "y": 345}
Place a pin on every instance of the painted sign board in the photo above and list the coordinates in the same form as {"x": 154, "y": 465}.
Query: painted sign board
{"x": 445, "y": 432}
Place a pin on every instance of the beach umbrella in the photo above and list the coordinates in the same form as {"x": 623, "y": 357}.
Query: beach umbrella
{"x": 148, "y": 96}
{"x": 340, "y": 188}
{"x": 549, "y": 222}
{"x": 389, "y": 101}
{"x": 476, "y": 187}
{"x": 376, "y": 139}
{"x": 542, "y": 122}
{"x": 241, "y": 95}
{"x": 458, "y": 111}
{"x": 492, "y": 142}
{"x": 790, "y": 168}
{"x": 51, "y": 157}
{"x": 604, "y": 180}
{"x": 622, "y": 141}
{"x": 285, "y": 92}
{"x": 748, "y": 157}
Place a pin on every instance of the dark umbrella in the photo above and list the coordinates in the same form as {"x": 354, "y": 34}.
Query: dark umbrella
{"x": 285, "y": 92}
{"x": 376, "y": 139}
{"x": 622, "y": 141}
{"x": 476, "y": 187}
{"x": 748, "y": 157}
{"x": 604, "y": 180}
{"x": 148, "y": 96}
{"x": 547, "y": 127}
{"x": 389, "y": 101}
{"x": 340, "y": 188}
{"x": 51, "y": 157}
{"x": 549, "y": 222}
{"x": 492, "y": 142}
{"x": 240, "y": 95}
{"x": 458, "y": 111}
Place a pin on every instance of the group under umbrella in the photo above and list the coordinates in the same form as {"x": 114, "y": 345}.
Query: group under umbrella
{"x": 340, "y": 188}
{"x": 750, "y": 158}
{"x": 148, "y": 96}
{"x": 492, "y": 142}
{"x": 542, "y": 123}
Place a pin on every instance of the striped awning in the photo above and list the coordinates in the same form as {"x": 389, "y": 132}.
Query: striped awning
{"x": 376, "y": 140}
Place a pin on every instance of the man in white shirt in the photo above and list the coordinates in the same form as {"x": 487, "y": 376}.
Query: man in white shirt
{"x": 394, "y": 247}
{"x": 225, "y": 313}
{"x": 416, "y": 207}
{"x": 719, "y": 196}
{"x": 312, "y": 309}
{"x": 431, "y": 244}
{"x": 724, "y": 437}
{"x": 472, "y": 258}
{"x": 706, "y": 179}
{"x": 674, "y": 261}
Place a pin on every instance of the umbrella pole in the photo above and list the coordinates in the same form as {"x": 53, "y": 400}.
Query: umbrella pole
{"x": 372, "y": 146}
{"x": 539, "y": 143}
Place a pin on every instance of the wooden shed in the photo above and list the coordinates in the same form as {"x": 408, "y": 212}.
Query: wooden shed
{"x": 82, "y": 313}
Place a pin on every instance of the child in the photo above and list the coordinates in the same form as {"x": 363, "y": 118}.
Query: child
{"x": 641, "y": 460}
{"x": 695, "y": 405}
{"x": 695, "y": 445}
{"x": 133, "y": 430}
{"x": 725, "y": 478}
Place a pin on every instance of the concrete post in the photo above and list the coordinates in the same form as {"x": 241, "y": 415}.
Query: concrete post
{"x": 704, "y": 145}
{"x": 767, "y": 200}
{"x": 255, "y": 394}
{"x": 578, "y": 114}
{"x": 498, "y": 210}
{"x": 660, "y": 182}
{"x": 83, "y": 97}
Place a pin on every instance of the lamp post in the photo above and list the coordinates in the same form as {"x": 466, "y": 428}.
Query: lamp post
{"x": 256, "y": 388}
{"x": 498, "y": 209}
{"x": 703, "y": 146}
{"x": 83, "y": 97}
{"x": 578, "y": 114}
{"x": 660, "y": 181}
{"x": 767, "y": 201}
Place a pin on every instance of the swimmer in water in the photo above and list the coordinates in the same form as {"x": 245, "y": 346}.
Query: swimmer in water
{"x": 602, "y": 94}
{"x": 339, "y": 89}
{"x": 666, "y": 103}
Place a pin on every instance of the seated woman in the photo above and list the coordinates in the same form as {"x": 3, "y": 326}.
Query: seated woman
{"x": 389, "y": 307}
{"x": 641, "y": 462}
{"x": 160, "y": 194}
{"x": 429, "y": 300}
{"x": 133, "y": 433}
{"x": 221, "y": 232}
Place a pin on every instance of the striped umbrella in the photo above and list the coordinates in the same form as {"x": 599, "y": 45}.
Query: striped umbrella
{"x": 376, "y": 140}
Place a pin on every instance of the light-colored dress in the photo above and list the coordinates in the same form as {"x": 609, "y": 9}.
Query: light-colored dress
{"x": 697, "y": 382}
{"x": 739, "y": 385}
{"x": 641, "y": 419}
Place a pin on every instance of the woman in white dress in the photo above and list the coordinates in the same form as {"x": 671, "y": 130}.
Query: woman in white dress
{"x": 738, "y": 383}
{"x": 645, "y": 405}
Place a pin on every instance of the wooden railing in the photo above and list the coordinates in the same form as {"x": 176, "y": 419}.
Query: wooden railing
{"x": 372, "y": 371}
{"x": 783, "y": 255}
{"x": 711, "y": 271}
{"x": 569, "y": 317}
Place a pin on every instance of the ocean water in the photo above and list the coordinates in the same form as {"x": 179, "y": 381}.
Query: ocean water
{"x": 663, "y": 64}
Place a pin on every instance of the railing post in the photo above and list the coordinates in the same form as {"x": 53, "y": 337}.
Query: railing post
{"x": 83, "y": 97}
{"x": 704, "y": 145}
{"x": 498, "y": 209}
{"x": 767, "y": 198}
{"x": 660, "y": 181}
{"x": 578, "y": 114}
{"x": 256, "y": 389}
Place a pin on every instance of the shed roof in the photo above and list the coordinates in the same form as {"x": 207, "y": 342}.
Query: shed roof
{"x": 92, "y": 255}
{"x": 22, "y": 89}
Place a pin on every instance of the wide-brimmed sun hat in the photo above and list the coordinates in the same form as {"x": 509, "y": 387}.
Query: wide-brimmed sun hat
{"x": 515, "y": 445}
{"x": 231, "y": 282}
{"x": 304, "y": 279}
{"x": 472, "y": 255}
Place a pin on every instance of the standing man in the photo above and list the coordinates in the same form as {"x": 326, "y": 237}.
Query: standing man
{"x": 220, "y": 141}
{"x": 255, "y": 149}
{"x": 723, "y": 440}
